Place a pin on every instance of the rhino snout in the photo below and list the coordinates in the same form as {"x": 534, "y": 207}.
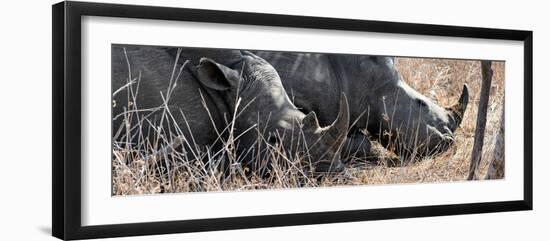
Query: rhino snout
{"x": 439, "y": 139}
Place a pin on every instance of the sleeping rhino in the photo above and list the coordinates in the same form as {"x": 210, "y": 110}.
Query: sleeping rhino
{"x": 238, "y": 95}
{"x": 381, "y": 103}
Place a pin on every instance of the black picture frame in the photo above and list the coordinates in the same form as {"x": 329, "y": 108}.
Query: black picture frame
{"x": 67, "y": 137}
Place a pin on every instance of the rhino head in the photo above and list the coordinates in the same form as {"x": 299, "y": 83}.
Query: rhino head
{"x": 265, "y": 115}
{"x": 402, "y": 117}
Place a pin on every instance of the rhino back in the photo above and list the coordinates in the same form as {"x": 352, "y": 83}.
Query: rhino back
{"x": 309, "y": 81}
{"x": 154, "y": 67}
{"x": 221, "y": 56}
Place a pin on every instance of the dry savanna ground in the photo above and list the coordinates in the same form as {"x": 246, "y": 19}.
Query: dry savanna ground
{"x": 438, "y": 79}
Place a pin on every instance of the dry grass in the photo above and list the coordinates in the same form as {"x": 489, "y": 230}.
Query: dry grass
{"x": 441, "y": 80}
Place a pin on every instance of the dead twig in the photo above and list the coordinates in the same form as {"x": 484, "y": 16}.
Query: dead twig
{"x": 486, "y": 77}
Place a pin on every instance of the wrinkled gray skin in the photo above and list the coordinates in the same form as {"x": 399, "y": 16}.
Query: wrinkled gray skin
{"x": 154, "y": 68}
{"x": 381, "y": 103}
{"x": 245, "y": 75}
{"x": 265, "y": 107}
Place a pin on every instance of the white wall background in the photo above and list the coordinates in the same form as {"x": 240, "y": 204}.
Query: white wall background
{"x": 25, "y": 119}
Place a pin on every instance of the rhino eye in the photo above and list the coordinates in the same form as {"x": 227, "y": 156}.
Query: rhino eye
{"x": 421, "y": 102}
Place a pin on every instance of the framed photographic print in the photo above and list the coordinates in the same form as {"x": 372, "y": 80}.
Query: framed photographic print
{"x": 169, "y": 120}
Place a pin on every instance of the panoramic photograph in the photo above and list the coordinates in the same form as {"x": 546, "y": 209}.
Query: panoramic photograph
{"x": 187, "y": 119}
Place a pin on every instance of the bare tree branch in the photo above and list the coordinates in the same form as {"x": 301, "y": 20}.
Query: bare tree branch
{"x": 486, "y": 78}
{"x": 496, "y": 166}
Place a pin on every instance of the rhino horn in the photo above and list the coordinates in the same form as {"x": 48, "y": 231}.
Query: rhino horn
{"x": 310, "y": 122}
{"x": 458, "y": 109}
{"x": 339, "y": 128}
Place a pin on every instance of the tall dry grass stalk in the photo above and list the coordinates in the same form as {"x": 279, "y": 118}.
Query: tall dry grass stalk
{"x": 155, "y": 166}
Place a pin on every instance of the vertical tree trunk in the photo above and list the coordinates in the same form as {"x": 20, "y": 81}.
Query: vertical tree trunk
{"x": 486, "y": 78}
{"x": 496, "y": 166}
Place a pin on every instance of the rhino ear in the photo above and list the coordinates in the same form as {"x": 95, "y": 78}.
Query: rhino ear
{"x": 310, "y": 122}
{"x": 216, "y": 76}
